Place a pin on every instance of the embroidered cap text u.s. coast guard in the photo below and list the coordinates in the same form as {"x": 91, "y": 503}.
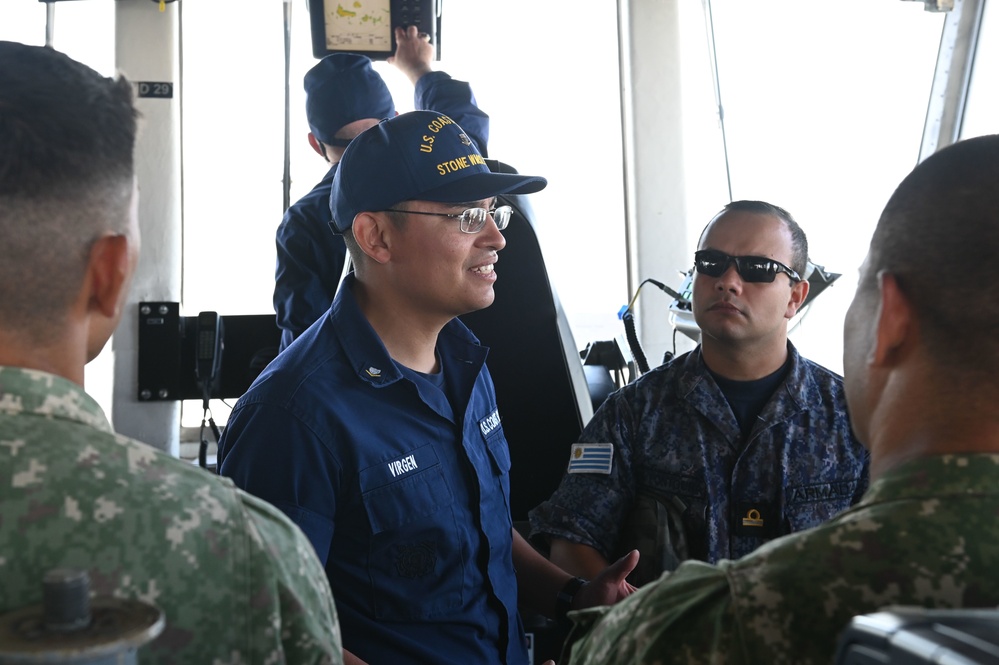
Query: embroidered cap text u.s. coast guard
{"x": 421, "y": 155}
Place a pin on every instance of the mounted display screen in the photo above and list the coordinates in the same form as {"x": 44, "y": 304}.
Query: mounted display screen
{"x": 367, "y": 26}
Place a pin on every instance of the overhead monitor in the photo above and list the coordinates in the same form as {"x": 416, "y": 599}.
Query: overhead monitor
{"x": 368, "y": 26}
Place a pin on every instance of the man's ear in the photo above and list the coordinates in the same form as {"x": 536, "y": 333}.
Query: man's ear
{"x": 372, "y": 232}
{"x": 895, "y": 321}
{"x": 314, "y": 142}
{"x": 108, "y": 271}
{"x": 799, "y": 291}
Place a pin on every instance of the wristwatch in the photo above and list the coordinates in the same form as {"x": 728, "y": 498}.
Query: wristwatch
{"x": 563, "y": 601}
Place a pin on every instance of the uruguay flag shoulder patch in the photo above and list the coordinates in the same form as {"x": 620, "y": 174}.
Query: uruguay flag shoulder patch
{"x": 591, "y": 458}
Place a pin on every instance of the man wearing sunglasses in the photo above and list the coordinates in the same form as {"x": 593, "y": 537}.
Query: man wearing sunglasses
{"x": 345, "y": 96}
{"x": 921, "y": 359}
{"x": 731, "y": 445}
{"x": 377, "y": 431}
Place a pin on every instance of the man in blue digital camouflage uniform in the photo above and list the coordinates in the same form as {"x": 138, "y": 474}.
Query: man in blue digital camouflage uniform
{"x": 377, "y": 430}
{"x": 921, "y": 358}
{"x": 236, "y": 580}
{"x": 345, "y": 96}
{"x": 739, "y": 441}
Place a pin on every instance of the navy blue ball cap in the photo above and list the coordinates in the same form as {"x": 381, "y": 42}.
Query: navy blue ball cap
{"x": 421, "y": 155}
{"x": 343, "y": 88}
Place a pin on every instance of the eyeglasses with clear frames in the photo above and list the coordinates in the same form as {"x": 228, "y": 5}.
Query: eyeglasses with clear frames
{"x": 471, "y": 220}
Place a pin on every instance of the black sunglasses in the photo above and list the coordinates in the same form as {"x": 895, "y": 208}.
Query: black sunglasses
{"x": 713, "y": 263}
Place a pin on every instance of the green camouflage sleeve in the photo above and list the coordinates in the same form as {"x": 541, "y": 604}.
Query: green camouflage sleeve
{"x": 303, "y": 603}
{"x": 686, "y": 618}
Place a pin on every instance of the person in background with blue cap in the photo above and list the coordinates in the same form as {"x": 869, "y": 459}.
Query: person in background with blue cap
{"x": 345, "y": 96}
{"x": 377, "y": 431}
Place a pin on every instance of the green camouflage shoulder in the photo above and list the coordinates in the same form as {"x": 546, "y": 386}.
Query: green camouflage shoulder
{"x": 923, "y": 535}
{"x": 682, "y": 618}
{"x": 237, "y": 581}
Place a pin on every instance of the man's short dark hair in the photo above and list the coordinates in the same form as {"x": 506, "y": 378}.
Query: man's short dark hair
{"x": 67, "y": 136}
{"x": 799, "y": 243}
{"x": 939, "y": 236}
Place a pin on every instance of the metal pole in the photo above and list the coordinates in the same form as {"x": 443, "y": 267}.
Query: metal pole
{"x": 955, "y": 61}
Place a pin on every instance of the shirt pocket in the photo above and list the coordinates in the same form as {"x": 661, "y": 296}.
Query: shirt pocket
{"x": 499, "y": 458}
{"x": 414, "y": 563}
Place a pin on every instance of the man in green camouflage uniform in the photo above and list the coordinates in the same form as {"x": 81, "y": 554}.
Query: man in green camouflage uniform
{"x": 236, "y": 580}
{"x": 921, "y": 366}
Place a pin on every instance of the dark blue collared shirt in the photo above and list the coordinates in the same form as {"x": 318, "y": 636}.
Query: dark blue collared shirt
{"x": 403, "y": 492}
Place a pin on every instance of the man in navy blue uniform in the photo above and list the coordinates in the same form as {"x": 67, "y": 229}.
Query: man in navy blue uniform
{"x": 377, "y": 431}
{"x": 740, "y": 441}
{"x": 345, "y": 96}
